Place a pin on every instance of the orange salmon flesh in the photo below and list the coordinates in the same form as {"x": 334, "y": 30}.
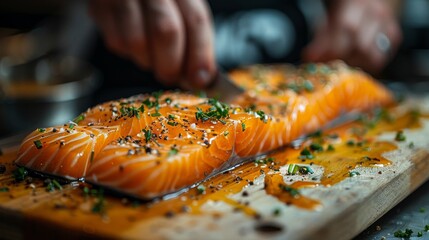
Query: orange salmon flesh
{"x": 152, "y": 145}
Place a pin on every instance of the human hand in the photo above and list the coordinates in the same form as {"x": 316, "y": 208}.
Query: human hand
{"x": 363, "y": 33}
{"x": 173, "y": 38}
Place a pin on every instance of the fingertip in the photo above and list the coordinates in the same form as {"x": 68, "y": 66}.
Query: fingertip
{"x": 201, "y": 78}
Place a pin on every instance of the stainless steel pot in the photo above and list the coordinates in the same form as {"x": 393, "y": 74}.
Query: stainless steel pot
{"x": 44, "y": 92}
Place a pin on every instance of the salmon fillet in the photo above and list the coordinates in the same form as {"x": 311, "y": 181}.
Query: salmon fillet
{"x": 151, "y": 145}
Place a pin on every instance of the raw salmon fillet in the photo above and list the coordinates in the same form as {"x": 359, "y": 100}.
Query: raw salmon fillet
{"x": 151, "y": 145}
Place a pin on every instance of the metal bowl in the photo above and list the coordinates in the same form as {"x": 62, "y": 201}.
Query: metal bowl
{"x": 47, "y": 91}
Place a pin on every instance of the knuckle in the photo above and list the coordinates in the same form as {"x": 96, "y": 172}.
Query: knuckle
{"x": 197, "y": 19}
{"x": 166, "y": 27}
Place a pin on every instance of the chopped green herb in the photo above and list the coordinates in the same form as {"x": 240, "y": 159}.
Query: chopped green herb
{"x": 100, "y": 203}
{"x": 292, "y": 191}
{"x": 403, "y": 234}
{"x": 422, "y": 210}
{"x": 354, "y": 173}
{"x": 330, "y": 148}
{"x": 171, "y": 117}
{"x": 298, "y": 86}
{"x": 41, "y": 129}
{"x": 415, "y": 115}
{"x": 172, "y": 123}
{"x": 155, "y": 114}
{"x": 173, "y": 151}
{"x": 427, "y": 227}
{"x": 71, "y": 125}
{"x": 400, "y": 136}
{"x": 262, "y": 116}
{"x": 243, "y": 126}
{"x": 316, "y": 147}
{"x": 226, "y": 133}
{"x": 277, "y": 212}
{"x": 147, "y": 135}
{"x": 350, "y": 143}
{"x": 19, "y": 174}
{"x": 306, "y": 154}
{"x": 38, "y": 144}
{"x": 51, "y": 185}
{"x": 201, "y": 189}
{"x": 131, "y": 111}
{"x": 168, "y": 101}
{"x": 79, "y": 119}
{"x": 316, "y": 134}
{"x": 308, "y": 86}
{"x": 217, "y": 111}
{"x": 4, "y": 189}
{"x": 411, "y": 145}
{"x": 310, "y": 68}
{"x": 292, "y": 169}
{"x": 250, "y": 108}
{"x": 419, "y": 234}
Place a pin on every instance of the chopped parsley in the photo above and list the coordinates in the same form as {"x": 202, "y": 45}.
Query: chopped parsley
{"x": 427, "y": 227}
{"x": 262, "y": 116}
{"x": 4, "y": 189}
{"x": 19, "y": 174}
{"x": 217, "y": 111}
{"x": 51, "y": 185}
{"x": 316, "y": 134}
{"x": 226, "y": 133}
{"x": 330, "y": 148}
{"x": 41, "y": 130}
{"x": 79, "y": 119}
{"x": 100, "y": 203}
{"x": 353, "y": 174}
{"x": 147, "y": 135}
{"x": 172, "y": 123}
{"x": 243, "y": 126}
{"x": 277, "y": 212}
{"x": 292, "y": 191}
{"x": 316, "y": 147}
{"x": 131, "y": 111}
{"x": 400, "y": 136}
{"x": 155, "y": 114}
{"x": 350, "y": 143}
{"x": 306, "y": 154}
{"x": 201, "y": 189}
{"x": 403, "y": 234}
{"x": 38, "y": 144}
{"x": 173, "y": 151}
{"x": 298, "y": 86}
{"x": 171, "y": 117}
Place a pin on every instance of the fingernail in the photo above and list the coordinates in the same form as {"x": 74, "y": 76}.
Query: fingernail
{"x": 202, "y": 77}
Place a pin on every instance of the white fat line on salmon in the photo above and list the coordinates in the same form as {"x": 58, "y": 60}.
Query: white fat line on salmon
{"x": 70, "y": 151}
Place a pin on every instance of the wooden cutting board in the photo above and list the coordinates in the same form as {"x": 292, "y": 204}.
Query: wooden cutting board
{"x": 236, "y": 204}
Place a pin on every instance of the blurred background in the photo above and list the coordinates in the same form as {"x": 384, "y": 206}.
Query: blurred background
{"x": 54, "y": 64}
